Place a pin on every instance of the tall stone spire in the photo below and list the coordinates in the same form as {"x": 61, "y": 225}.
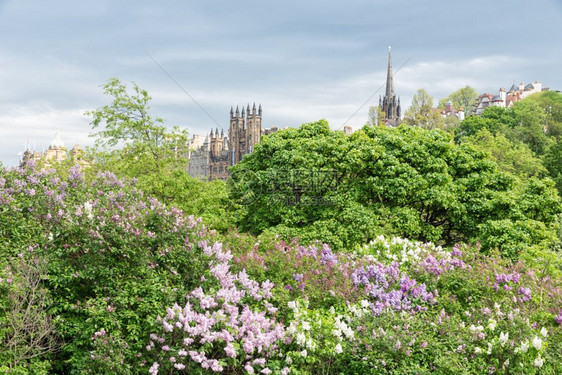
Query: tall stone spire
{"x": 389, "y": 79}
{"x": 390, "y": 106}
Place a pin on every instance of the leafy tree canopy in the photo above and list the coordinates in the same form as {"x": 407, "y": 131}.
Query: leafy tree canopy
{"x": 421, "y": 112}
{"x": 147, "y": 145}
{"x": 406, "y": 181}
{"x": 513, "y": 157}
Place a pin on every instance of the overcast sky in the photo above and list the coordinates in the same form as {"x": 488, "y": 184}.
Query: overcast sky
{"x": 302, "y": 60}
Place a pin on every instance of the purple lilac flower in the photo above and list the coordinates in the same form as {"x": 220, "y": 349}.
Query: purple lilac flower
{"x": 558, "y": 319}
{"x": 328, "y": 256}
{"x": 525, "y": 294}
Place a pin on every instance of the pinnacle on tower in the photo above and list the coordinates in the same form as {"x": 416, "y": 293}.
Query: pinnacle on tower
{"x": 231, "y": 111}
{"x": 237, "y": 111}
{"x": 259, "y": 110}
{"x": 242, "y": 111}
{"x": 254, "y": 108}
{"x": 212, "y": 133}
{"x": 248, "y": 109}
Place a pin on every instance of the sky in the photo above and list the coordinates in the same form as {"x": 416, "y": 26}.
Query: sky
{"x": 302, "y": 60}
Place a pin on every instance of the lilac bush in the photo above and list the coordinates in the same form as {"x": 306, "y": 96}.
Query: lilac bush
{"x": 232, "y": 324}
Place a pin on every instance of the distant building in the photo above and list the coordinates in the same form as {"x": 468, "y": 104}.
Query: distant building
{"x": 449, "y": 111}
{"x": 211, "y": 157}
{"x": 507, "y": 99}
{"x": 389, "y": 104}
{"x": 56, "y": 153}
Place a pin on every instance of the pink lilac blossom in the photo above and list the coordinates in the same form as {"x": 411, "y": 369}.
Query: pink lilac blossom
{"x": 223, "y": 317}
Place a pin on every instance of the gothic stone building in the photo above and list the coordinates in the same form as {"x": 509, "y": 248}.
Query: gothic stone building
{"x": 389, "y": 104}
{"x": 217, "y": 152}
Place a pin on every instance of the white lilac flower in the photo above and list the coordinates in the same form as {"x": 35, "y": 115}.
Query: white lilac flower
{"x": 311, "y": 345}
{"x": 338, "y": 349}
{"x": 524, "y": 346}
{"x": 304, "y": 353}
{"x": 301, "y": 338}
{"x": 538, "y": 361}
{"x": 543, "y": 332}
{"x": 292, "y": 305}
{"x": 477, "y": 350}
{"x": 492, "y": 324}
{"x": 88, "y": 208}
{"x": 503, "y": 338}
{"x": 489, "y": 348}
{"x": 537, "y": 343}
{"x": 332, "y": 311}
{"x": 306, "y": 325}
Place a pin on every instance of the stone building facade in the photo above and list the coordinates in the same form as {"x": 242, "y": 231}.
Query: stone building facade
{"x": 56, "y": 153}
{"x": 211, "y": 158}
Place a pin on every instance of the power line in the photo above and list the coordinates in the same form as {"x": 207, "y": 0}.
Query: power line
{"x": 186, "y": 93}
{"x": 375, "y": 93}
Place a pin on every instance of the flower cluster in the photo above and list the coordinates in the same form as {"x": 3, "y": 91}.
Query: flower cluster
{"x": 391, "y": 289}
{"x": 506, "y": 281}
{"x": 234, "y": 322}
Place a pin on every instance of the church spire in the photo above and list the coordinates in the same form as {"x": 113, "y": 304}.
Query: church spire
{"x": 389, "y": 79}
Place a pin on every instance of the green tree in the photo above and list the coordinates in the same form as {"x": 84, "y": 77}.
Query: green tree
{"x": 376, "y": 116}
{"x": 421, "y": 112}
{"x": 146, "y": 144}
{"x": 462, "y": 98}
{"x": 405, "y": 181}
{"x": 512, "y": 157}
{"x": 291, "y": 184}
{"x": 551, "y": 103}
{"x": 529, "y": 126}
{"x": 553, "y": 162}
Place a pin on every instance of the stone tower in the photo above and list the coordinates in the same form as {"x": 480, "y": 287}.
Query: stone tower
{"x": 244, "y": 132}
{"x": 389, "y": 104}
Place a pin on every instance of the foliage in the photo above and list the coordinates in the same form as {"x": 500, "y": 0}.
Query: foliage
{"x": 346, "y": 190}
{"x": 133, "y": 286}
{"x": 553, "y": 163}
{"x": 113, "y": 256}
{"x": 550, "y": 102}
{"x": 484, "y": 316}
{"x": 376, "y": 116}
{"x": 27, "y": 336}
{"x": 514, "y": 158}
{"x": 462, "y": 98}
{"x": 421, "y": 112}
{"x": 147, "y": 145}
{"x": 524, "y": 122}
